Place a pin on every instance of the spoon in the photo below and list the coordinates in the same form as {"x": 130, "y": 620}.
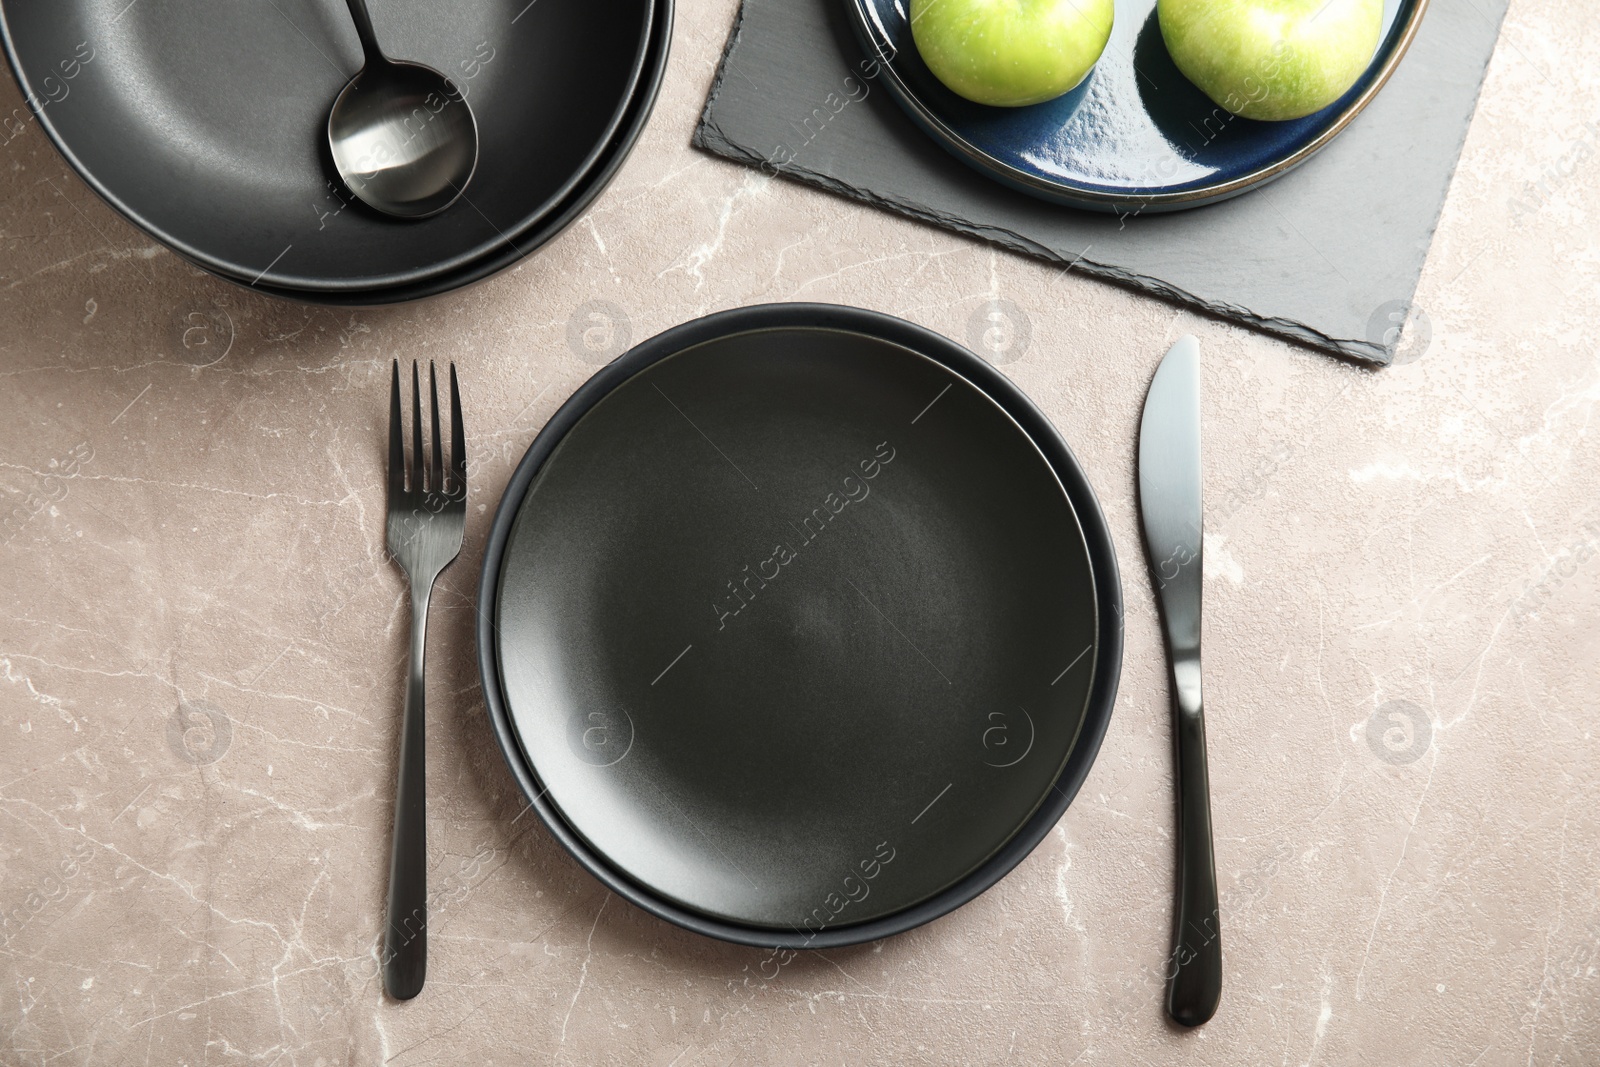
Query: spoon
{"x": 402, "y": 136}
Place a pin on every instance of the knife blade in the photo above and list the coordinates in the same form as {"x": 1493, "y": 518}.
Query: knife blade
{"x": 1169, "y": 508}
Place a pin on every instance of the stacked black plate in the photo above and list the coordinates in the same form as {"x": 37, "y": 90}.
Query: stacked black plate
{"x": 799, "y": 625}
{"x": 204, "y": 124}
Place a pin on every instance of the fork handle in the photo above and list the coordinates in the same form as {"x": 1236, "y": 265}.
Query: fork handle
{"x": 405, "y": 942}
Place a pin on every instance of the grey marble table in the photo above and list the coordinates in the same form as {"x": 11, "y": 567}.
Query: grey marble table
{"x": 202, "y": 648}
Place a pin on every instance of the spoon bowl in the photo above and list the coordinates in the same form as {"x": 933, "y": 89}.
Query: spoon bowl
{"x": 401, "y": 134}
{"x": 403, "y": 139}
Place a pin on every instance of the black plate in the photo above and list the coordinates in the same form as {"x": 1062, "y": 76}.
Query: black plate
{"x": 800, "y": 625}
{"x": 204, "y": 123}
{"x": 553, "y": 222}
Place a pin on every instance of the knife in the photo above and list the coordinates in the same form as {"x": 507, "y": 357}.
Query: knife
{"x": 1169, "y": 505}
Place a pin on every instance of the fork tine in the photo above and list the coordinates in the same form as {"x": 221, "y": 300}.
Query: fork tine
{"x": 397, "y": 451}
{"x": 417, "y": 460}
{"x": 458, "y": 438}
{"x": 436, "y": 470}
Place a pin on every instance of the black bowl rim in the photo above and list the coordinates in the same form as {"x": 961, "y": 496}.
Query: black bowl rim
{"x": 509, "y": 254}
{"x": 417, "y": 276}
{"x": 1103, "y": 566}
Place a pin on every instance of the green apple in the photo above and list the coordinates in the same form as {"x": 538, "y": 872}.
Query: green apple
{"x": 1271, "y": 59}
{"x": 1011, "y": 53}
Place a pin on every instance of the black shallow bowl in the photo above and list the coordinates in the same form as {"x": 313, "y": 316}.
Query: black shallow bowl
{"x": 205, "y": 123}
{"x": 551, "y": 223}
{"x": 886, "y": 724}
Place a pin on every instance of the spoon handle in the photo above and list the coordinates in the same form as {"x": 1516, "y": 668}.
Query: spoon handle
{"x": 363, "y": 21}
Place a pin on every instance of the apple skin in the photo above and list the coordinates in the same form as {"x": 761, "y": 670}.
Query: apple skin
{"x": 1011, "y": 53}
{"x": 1271, "y": 59}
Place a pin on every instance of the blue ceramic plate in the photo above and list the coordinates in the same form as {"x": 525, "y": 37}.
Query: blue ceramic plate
{"x": 1136, "y": 135}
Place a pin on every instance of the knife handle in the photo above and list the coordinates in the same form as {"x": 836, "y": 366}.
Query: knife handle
{"x": 1196, "y": 962}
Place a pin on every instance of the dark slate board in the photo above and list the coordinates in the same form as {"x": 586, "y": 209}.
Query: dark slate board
{"x": 1324, "y": 255}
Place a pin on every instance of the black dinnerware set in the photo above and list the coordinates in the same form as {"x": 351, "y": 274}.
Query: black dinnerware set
{"x": 799, "y": 625}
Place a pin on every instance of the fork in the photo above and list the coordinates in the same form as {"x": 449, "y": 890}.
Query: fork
{"x": 425, "y": 523}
